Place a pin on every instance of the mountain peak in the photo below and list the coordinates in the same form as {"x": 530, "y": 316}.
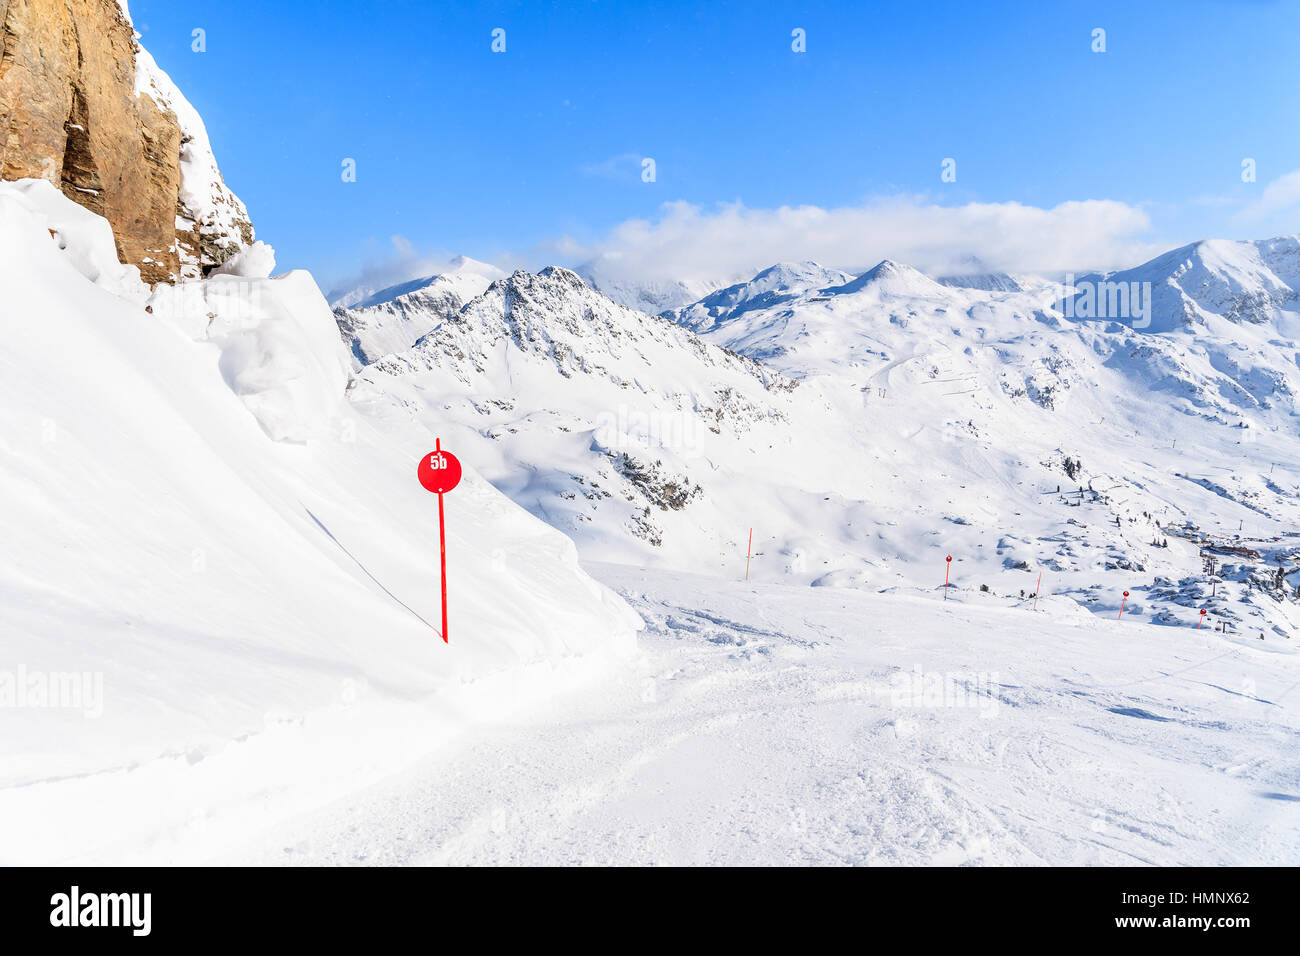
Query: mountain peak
{"x": 464, "y": 264}
{"x": 378, "y": 323}
{"x": 892, "y": 278}
{"x": 887, "y": 268}
{"x": 460, "y": 270}
{"x": 795, "y": 269}
{"x": 562, "y": 274}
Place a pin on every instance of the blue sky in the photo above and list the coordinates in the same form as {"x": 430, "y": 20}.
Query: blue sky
{"x": 534, "y": 154}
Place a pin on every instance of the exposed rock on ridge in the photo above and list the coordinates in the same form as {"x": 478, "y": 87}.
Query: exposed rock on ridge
{"x": 83, "y": 106}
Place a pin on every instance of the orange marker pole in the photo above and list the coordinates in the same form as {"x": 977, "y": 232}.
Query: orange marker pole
{"x": 749, "y": 552}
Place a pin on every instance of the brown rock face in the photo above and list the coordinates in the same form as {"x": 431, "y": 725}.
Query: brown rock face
{"x": 69, "y": 113}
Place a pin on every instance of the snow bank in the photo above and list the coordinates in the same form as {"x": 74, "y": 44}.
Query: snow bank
{"x": 252, "y": 262}
{"x": 279, "y": 347}
{"x": 85, "y": 239}
{"x": 210, "y": 615}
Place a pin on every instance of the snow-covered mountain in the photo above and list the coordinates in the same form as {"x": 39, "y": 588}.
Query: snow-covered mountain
{"x": 810, "y": 311}
{"x": 780, "y": 283}
{"x": 987, "y": 282}
{"x": 928, "y": 419}
{"x": 654, "y": 297}
{"x": 1207, "y": 283}
{"x": 600, "y": 419}
{"x": 459, "y": 269}
{"x": 377, "y": 323}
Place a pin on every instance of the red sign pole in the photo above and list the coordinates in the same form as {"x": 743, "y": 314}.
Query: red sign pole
{"x": 1038, "y": 590}
{"x": 442, "y": 555}
{"x": 947, "y": 569}
{"x": 1121, "y": 606}
{"x": 749, "y": 552}
{"x": 439, "y": 473}
{"x": 1201, "y": 620}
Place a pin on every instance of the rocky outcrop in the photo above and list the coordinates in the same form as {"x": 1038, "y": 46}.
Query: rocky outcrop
{"x": 83, "y": 106}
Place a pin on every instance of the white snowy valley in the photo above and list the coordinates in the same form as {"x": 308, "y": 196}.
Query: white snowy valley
{"x": 220, "y": 600}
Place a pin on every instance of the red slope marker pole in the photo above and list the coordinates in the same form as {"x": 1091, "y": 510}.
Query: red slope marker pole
{"x": 1202, "y": 619}
{"x": 442, "y": 555}
{"x": 749, "y": 552}
{"x": 1121, "y": 605}
{"x": 440, "y": 472}
{"x": 442, "y": 548}
{"x": 947, "y": 569}
{"x": 1038, "y": 590}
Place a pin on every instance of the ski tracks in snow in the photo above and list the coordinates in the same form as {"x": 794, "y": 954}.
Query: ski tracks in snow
{"x": 769, "y": 725}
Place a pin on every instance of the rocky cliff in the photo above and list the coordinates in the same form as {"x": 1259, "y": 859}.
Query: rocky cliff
{"x": 84, "y": 106}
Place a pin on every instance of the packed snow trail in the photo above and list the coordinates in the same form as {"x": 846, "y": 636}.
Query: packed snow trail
{"x": 769, "y": 724}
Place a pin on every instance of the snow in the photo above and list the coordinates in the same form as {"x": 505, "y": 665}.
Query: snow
{"x": 775, "y": 725}
{"x": 85, "y": 239}
{"x": 278, "y": 347}
{"x": 198, "y": 522}
{"x": 253, "y": 262}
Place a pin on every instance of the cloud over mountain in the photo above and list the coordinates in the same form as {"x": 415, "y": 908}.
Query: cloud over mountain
{"x": 690, "y": 241}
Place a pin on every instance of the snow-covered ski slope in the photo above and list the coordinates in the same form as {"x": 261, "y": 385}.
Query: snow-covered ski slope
{"x": 222, "y": 576}
{"x": 770, "y": 724}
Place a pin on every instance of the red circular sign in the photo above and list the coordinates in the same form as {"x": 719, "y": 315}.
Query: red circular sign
{"x": 1126, "y": 594}
{"x": 950, "y": 557}
{"x": 439, "y": 472}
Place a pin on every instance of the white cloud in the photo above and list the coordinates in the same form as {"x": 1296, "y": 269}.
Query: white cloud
{"x": 690, "y": 242}
{"x": 1279, "y": 195}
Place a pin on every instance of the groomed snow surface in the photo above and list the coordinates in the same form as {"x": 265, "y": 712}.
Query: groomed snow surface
{"x": 764, "y": 724}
